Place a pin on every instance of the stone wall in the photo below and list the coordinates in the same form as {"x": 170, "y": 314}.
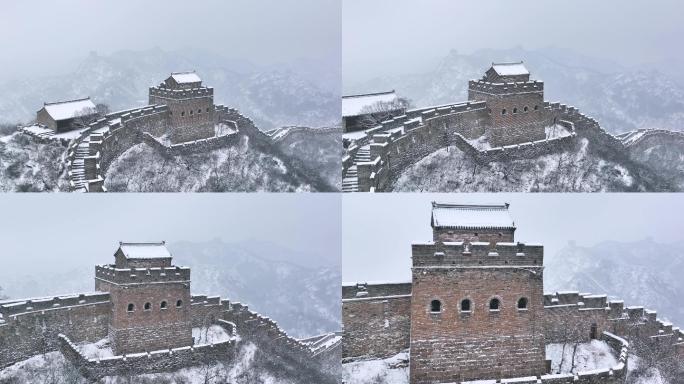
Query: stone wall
{"x": 495, "y": 235}
{"x": 150, "y": 307}
{"x": 377, "y": 320}
{"x": 30, "y": 327}
{"x": 516, "y": 110}
{"x": 191, "y": 147}
{"x": 149, "y": 362}
{"x": 191, "y": 112}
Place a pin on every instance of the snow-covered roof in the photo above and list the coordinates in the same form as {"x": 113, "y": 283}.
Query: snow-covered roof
{"x": 352, "y": 105}
{"x": 510, "y": 69}
{"x": 471, "y": 216}
{"x": 145, "y": 250}
{"x": 186, "y": 77}
{"x": 64, "y": 110}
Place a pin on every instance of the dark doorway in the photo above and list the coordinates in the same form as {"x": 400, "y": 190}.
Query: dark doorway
{"x": 593, "y": 331}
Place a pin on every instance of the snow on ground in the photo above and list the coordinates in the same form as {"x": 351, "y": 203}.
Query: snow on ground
{"x": 53, "y": 368}
{"x": 354, "y": 135}
{"x": 596, "y": 354}
{"x": 211, "y": 335}
{"x": 556, "y": 131}
{"x": 393, "y": 370}
{"x": 222, "y": 129}
{"x": 481, "y": 143}
{"x": 96, "y": 350}
{"x": 451, "y": 170}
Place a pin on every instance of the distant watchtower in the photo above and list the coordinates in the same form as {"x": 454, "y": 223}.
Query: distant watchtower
{"x": 476, "y": 300}
{"x": 191, "y": 106}
{"x": 150, "y": 299}
{"x": 515, "y": 103}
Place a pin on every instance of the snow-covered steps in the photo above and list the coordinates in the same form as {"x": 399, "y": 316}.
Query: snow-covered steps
{"x": 350, "y": 181}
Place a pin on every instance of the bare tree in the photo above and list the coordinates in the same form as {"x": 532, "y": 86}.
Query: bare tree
{"x": 376, "y": 113}
{"x": 86, "y": 116}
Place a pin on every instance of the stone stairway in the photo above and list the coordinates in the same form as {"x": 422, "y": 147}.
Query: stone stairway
{"x": 350, "y": 180}
{"x": 77, "y": 171}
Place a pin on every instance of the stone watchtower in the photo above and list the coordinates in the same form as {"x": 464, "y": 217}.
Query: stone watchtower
{"x": 515, "y": 104}
{"x": 191, "y": 106}
{"x": 150, "y": 299}
{"x": 477, "y": 299}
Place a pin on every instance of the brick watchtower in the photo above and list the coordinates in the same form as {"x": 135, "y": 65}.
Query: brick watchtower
{"x": 191, "y": 106}
{"x": 476, "y": 300}
{"x": 515, "y": 104}
{"x": 150, "y": 299}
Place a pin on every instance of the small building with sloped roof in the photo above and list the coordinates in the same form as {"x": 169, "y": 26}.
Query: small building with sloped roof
{"x": 63, "y": 116}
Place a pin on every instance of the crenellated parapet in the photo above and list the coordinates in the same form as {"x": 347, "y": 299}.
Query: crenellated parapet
{"x": 484, "y": 86}
{"x": 473, "y": 254}
{"x": 115, "y": 275}
{"x": 181, "y": 93}
{"x": 13, "y": 309}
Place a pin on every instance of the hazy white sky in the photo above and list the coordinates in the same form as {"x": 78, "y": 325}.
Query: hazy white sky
{"x": 377, "y": 230}
{"x": 41, "y": 35}
{"x": 71, "y": 230}
{"x": 395, "y": 36}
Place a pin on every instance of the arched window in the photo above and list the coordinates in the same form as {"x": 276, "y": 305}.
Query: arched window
{"x": 182, "y": 113}
{"x": 199, "y": 111}
{"x": 536, "y": 107}
{"x": 465, "y": 305}
{"x": 435, "y": 306}
{"x": 131, "y": 307}
{"x": 191, "y": 112}
{"x": 515, "y": 110}
{"x": 503, "y": 111}
{"x": 179, "y": 303}
{"x": 163, "y": 305}
{"x": 522, "y": 303}
{"x": 525, "y": 109}
{"x": 148, "y": 306}
{"x": 494, "y": 304}
{"x": 207, "y": 109}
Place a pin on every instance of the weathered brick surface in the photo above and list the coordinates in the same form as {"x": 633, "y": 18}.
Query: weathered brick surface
{"x": 454, "y": 345}
{"x": 31, "y": 327}
{"x": 376, "y": 327}
{"x": 469, "y": 235}
{"x": 150, "y": 306}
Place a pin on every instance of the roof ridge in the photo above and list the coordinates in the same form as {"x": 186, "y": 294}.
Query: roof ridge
{"x": 163, "y": 242}
{"x": 45, "y": 103}
{"x": 509, "y": 63}
{"x": 183, "y": 72}
{"x": 436, "y": 204}
{"x": 369, "y": 94}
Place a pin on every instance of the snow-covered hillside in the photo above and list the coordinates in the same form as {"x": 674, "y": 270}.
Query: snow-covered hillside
{"x": 579, "y": 170}
{"x": 642, "y": 273}
{"x": 621, "y": 99}
{"x": 272, "y": 97}
{"x": 250, "y": 366}
{"x": 236, "y": 169}
{"x": 28, "y": 166}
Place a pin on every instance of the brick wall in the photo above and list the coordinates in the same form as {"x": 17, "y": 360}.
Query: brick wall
{"x": 31, "y": 327}
{"x": 455, "y": 345}
{"x": 469, "y": 235}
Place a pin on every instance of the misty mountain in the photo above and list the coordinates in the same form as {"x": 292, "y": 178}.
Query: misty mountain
{"x": 642, "y": 273}
{"x": 621, "y": 98}
{"x": 297, "y": 289}
{"x": 305, "y": 301}
{"x": 272, "y": 96}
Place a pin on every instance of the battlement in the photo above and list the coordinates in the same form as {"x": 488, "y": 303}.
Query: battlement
{"x": 11, "y": 309}
{"x": 463, "y": 254}
{"x": 181, "y": 93}
{"x": 482, "y": 86}
{"x": 110, "y": 273}
{"x": 353, "y": 291}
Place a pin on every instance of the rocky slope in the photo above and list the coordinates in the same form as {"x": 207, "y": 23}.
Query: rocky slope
{"x": 585, "y": 168}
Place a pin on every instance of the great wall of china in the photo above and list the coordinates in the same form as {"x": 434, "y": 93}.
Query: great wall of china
{"x": 31, "y": 327}
{"x": 509, "y": 111}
